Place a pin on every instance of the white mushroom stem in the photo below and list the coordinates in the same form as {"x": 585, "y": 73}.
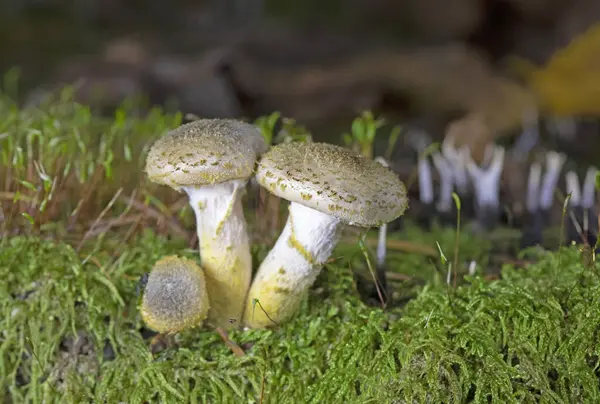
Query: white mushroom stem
{"x": 382, "y": 239}
{"x": 573, "y": 188}
{"x": 487, "y": 181}
{"x": 588, "y": 199}
{"x": 419, "y": 140}
{"x": 554, "y": 163}
{"x": 425, "y": 180}
{"x": 224, "y": 248}
{"x": 291, "y": 267}
{"x": 533, "y": 187}
{"x": 457, "y": 160}
{"x": 446, "y": 182}
{"x": 461, "y": 175}
{"x": 382, "y": 246}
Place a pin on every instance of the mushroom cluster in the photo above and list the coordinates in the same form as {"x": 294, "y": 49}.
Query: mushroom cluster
{"x": 212, "y": 161}
{"x": 529, "y": 173}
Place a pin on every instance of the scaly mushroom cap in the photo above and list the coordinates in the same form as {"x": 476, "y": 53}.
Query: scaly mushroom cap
{"x": 175, "y": 296}
{"x": 204, "y": 152}
{"x": 333, "y": 180}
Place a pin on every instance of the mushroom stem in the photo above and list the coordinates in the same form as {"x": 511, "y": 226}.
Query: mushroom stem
{"x": 554, "y": 163}
{"x": 533, "y": 187}
{"x": 457, "y": 164}
{"x": 487, "y": 187}
{"x": 573, "y": 188}
{"x": 534, "y": 226}
{"x": 444, "y": 204}
{"x": 487, "y": 181}
{"x": 224, "y": 248}
{"x": 381, "y": 278}
{"x": 425, "y": 180}
{"x": 291, "y": 266}
{"x": 589, "y": 188}
{"x": 382, "y": 246}
{"x": 588, "y": 203}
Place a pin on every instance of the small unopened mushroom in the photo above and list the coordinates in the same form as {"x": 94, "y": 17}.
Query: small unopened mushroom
{"x": 212, "y": 160}
{"x": 328, "y": 186}
{"x": 175, "y": 296}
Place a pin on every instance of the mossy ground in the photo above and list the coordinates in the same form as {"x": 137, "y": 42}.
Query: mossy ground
{"x": 72, "y": 254}
{"x": 71, "y": 331}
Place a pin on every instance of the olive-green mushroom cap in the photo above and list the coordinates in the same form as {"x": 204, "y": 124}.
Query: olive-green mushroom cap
{"x": 205, "y": 152}
{"x": 175, "y": 297}
{"x": 333, "y": 180}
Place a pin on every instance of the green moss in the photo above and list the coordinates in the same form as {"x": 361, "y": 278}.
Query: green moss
{"x": 70, "y": 329}
{"x": 531, "y": 336}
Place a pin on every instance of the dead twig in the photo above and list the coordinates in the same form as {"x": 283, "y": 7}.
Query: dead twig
{"x": 235, "y": 348}
{"x": 402, "y": 245}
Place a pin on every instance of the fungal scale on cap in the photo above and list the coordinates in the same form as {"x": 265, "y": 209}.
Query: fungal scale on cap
{"x": 175, "y": 296}
{"x": 204, "y": 152}
{"x": 333, "y": 180}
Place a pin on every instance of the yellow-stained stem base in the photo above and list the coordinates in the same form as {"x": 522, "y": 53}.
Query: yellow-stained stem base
{"x": 291, "y": 267}
{"x": 224, "y": 249}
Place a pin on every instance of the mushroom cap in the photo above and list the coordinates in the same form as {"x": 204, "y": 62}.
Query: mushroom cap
{"x": 175, "y": 296}
{"x": 205, "y": 152}
{"x": 333, "y": 180}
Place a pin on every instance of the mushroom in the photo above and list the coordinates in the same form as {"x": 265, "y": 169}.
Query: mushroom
{"x": 534, "y": 224}
{"x": 211, "y": 160}
{"x": 486, "y": 181}
{"x": 457, "y": 158}
{"x": 554, "y": 164}
{"x": 582, "y": 202}
{"x": 444, "y": 205}
{"x": 328, "y": 186}
{"x": 175, "y": 296}
{"x": 588, "y": 202}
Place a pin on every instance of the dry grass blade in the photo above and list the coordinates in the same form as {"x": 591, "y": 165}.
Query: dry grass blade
{"x": 102, "y": 214}
{"x": 148, "y": 211}
{"x": 89, "y": 190}
{"x": 404, "y": 246}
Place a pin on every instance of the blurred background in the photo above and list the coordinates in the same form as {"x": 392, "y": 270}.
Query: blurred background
{"x": 480, "y": 65}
